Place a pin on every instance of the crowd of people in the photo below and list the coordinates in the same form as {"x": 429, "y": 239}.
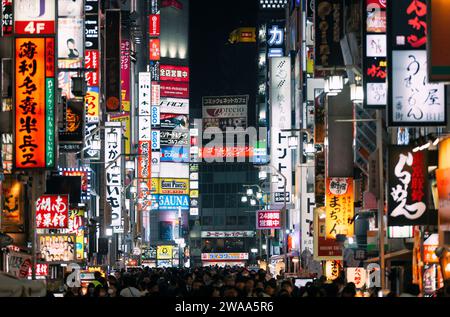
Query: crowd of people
{"x": 228, "y": 282}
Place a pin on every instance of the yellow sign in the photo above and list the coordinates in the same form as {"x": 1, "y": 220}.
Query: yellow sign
{"x": 92, "y": 269}
{"x": 155, "y": 186}
{"x": 333, "y": 269}
{"x": 174, "y": 186}
{"x": 339, "y": 207}
{"x": 194, "y": 193}
{"x": 243, "y": 35}
{"x": 164, "y": 252}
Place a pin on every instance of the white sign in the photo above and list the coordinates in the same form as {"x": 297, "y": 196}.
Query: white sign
{"x": 227, "y": 234}
{"x": 144, "y": 128}
{"x": 193, "y": 211}
{"x": 156, "y": 94}
{"x": 34, "y": 17}
{"x": 357, "y": 275}
{"x": 156, "y": 136}
{"x": 280, "y": 118}
{"x": 414, "y": 100}
{"x": 171, "y": 170}
{"x": 70, "y": 38}
{"x": 156, "y": 157}
{"x": 155, "y": 117}
{"x": 376, "y": 45}
{"x": 376, "y": 94}
{"x": 307, "y": 218}
{"x": 70, "y": 8}
{"x": 113, "y": 164}
{"x": 225, "y": 111}
{"x": 173, "y": 105}
{"x": 144, "y": 94}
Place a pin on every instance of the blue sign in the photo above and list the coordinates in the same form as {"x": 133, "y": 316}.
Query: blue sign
{"x": 155, "y": 116}
{"x": 178, "y": 154}
{"x": 170, "y": 202}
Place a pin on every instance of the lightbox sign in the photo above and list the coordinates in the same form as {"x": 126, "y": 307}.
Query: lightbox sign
{"x": 227, "y": 234}
{"x": 113, "y": 165}
{"x": 174, "y": 73}
{"x": 275, "y": 39}
{"x": 154, "y": 25}
{"x": 224, "y": 256}
{"x": 268, "y": 219}
{"x": 125, "y": 69}
{"x": 174, "y": 137}
{"x": 172, "y": 105}
{"x": 177, "y": 154}
{"x": 374, "y": 55}
{"x": 174, "y": 121}
{"x": 85, "y": 175}
{"x": 7, "y": 18}
{"x": 407, "y": 190}
{"x": 92, "y": 61}
{"x": 34, "y": 17}
{"x": 339, "y": 207}
{"x": 57, "y": 248}
{"x": 412, "y": 100}
{"x": 174, "y": 89}
{"x": 34, "y": 138}
{"x": 173, "y": 186}
{"x": 70, "y": 38}
{"x": 280, "y": 118}
{"x": 329, "y": 29}
{"x": 226, "y": 151}
{"x": 170, "y": 202}
{"x": 154, "y": 49}
{"x": 52, "y": 212}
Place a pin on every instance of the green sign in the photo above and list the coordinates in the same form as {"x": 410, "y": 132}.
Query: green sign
{"x": 50, "y": 122}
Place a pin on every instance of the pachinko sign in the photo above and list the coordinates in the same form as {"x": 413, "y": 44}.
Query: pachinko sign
{"x": 34, "y": 137}
{"x": 339, "y": 207}
{"x": 52, "y": 212}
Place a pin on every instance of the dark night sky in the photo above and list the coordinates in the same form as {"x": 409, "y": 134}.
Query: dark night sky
{"x": 218, "y": 68}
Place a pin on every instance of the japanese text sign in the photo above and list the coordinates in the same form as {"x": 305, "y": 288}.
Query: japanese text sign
{"x": 34, "y": 99}
{"x": 268, "y": 219}
{"x": 52, "y": 212}
{"x": 407, "y": 190}
{"x": 339, "y": 207}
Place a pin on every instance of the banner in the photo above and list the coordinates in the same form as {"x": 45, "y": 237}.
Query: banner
{"x": 174, "y": 89}
{"x": 154, "y": 49}
{"x": 174, "y": 121}
{"x": 172, "y": 186}
{"x": 339, "y": 207}
{"x": 407, "y": 187}
{"x": 34, "y": 96}
{"x": 177, "y": 154}
{"x": 164, "y": 252}
{"x": 52, "y": 212}
{"x": 174, "y": 137}
{"x": 280, "y": 118}
{"x": 113, "y": 165}
{"x": 329, "y": 29}
{"x": 227, "y": 234}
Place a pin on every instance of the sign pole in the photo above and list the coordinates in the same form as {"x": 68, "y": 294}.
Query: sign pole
{"x": 380, "y": 198}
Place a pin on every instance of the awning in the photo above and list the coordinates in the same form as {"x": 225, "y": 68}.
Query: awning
{"x": 397, "y": 255}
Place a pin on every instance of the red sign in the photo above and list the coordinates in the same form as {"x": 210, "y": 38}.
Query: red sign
{"x": 41, "y": 269}
{"x": 268, "y": 219}
{"x": 176, "y": 90}
{"x": 34, "y": 27}
{"x": 156, "y": 94}
{"x": 154, "y": 25}
{"x": 173, "y": 73}
{"x": 172, "y": 3}
{"x": 25, "y": 267}
{"x": 91, "y": 60}
{"x": 228, "y": 151}
{"x": 52, "y": 212}
{"x": 155, "y": 49}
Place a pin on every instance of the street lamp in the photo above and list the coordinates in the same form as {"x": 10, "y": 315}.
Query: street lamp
{"x": 244, "y": 199}
{"x": 253, "y": 202}
{"x": 259, "y": 195}
{"x": 249, "y": 191}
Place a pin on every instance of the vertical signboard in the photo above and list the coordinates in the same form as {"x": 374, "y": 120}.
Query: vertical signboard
{"x": 280, "y": 118}
{"x": 443, "y": 186}
{"x": 329, "y": 29}
{"x": 7, "y": 18}
{"x": 275, "y": 39}
{"x": 408, "y": 187}
{"x": 125, "y": 64}
{"x": 324, "y": 249}
{"x": 438, "y": 42}
{"x": 112, "y": 60}
{"x": 113, "y": 165}
{"x": 374, "y": 54}
{"x": 34, "y": 138}
{"x": 339, "y": 207}
{"x": 412, "y": 100}
{"x": 34, "y": 17}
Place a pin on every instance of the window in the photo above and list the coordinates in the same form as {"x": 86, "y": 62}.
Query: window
{"x": 231, "y": 220}
{"x": 207, "y": 221}
{"x": 219, "y": 220}
{"x": 242, "y": 220}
